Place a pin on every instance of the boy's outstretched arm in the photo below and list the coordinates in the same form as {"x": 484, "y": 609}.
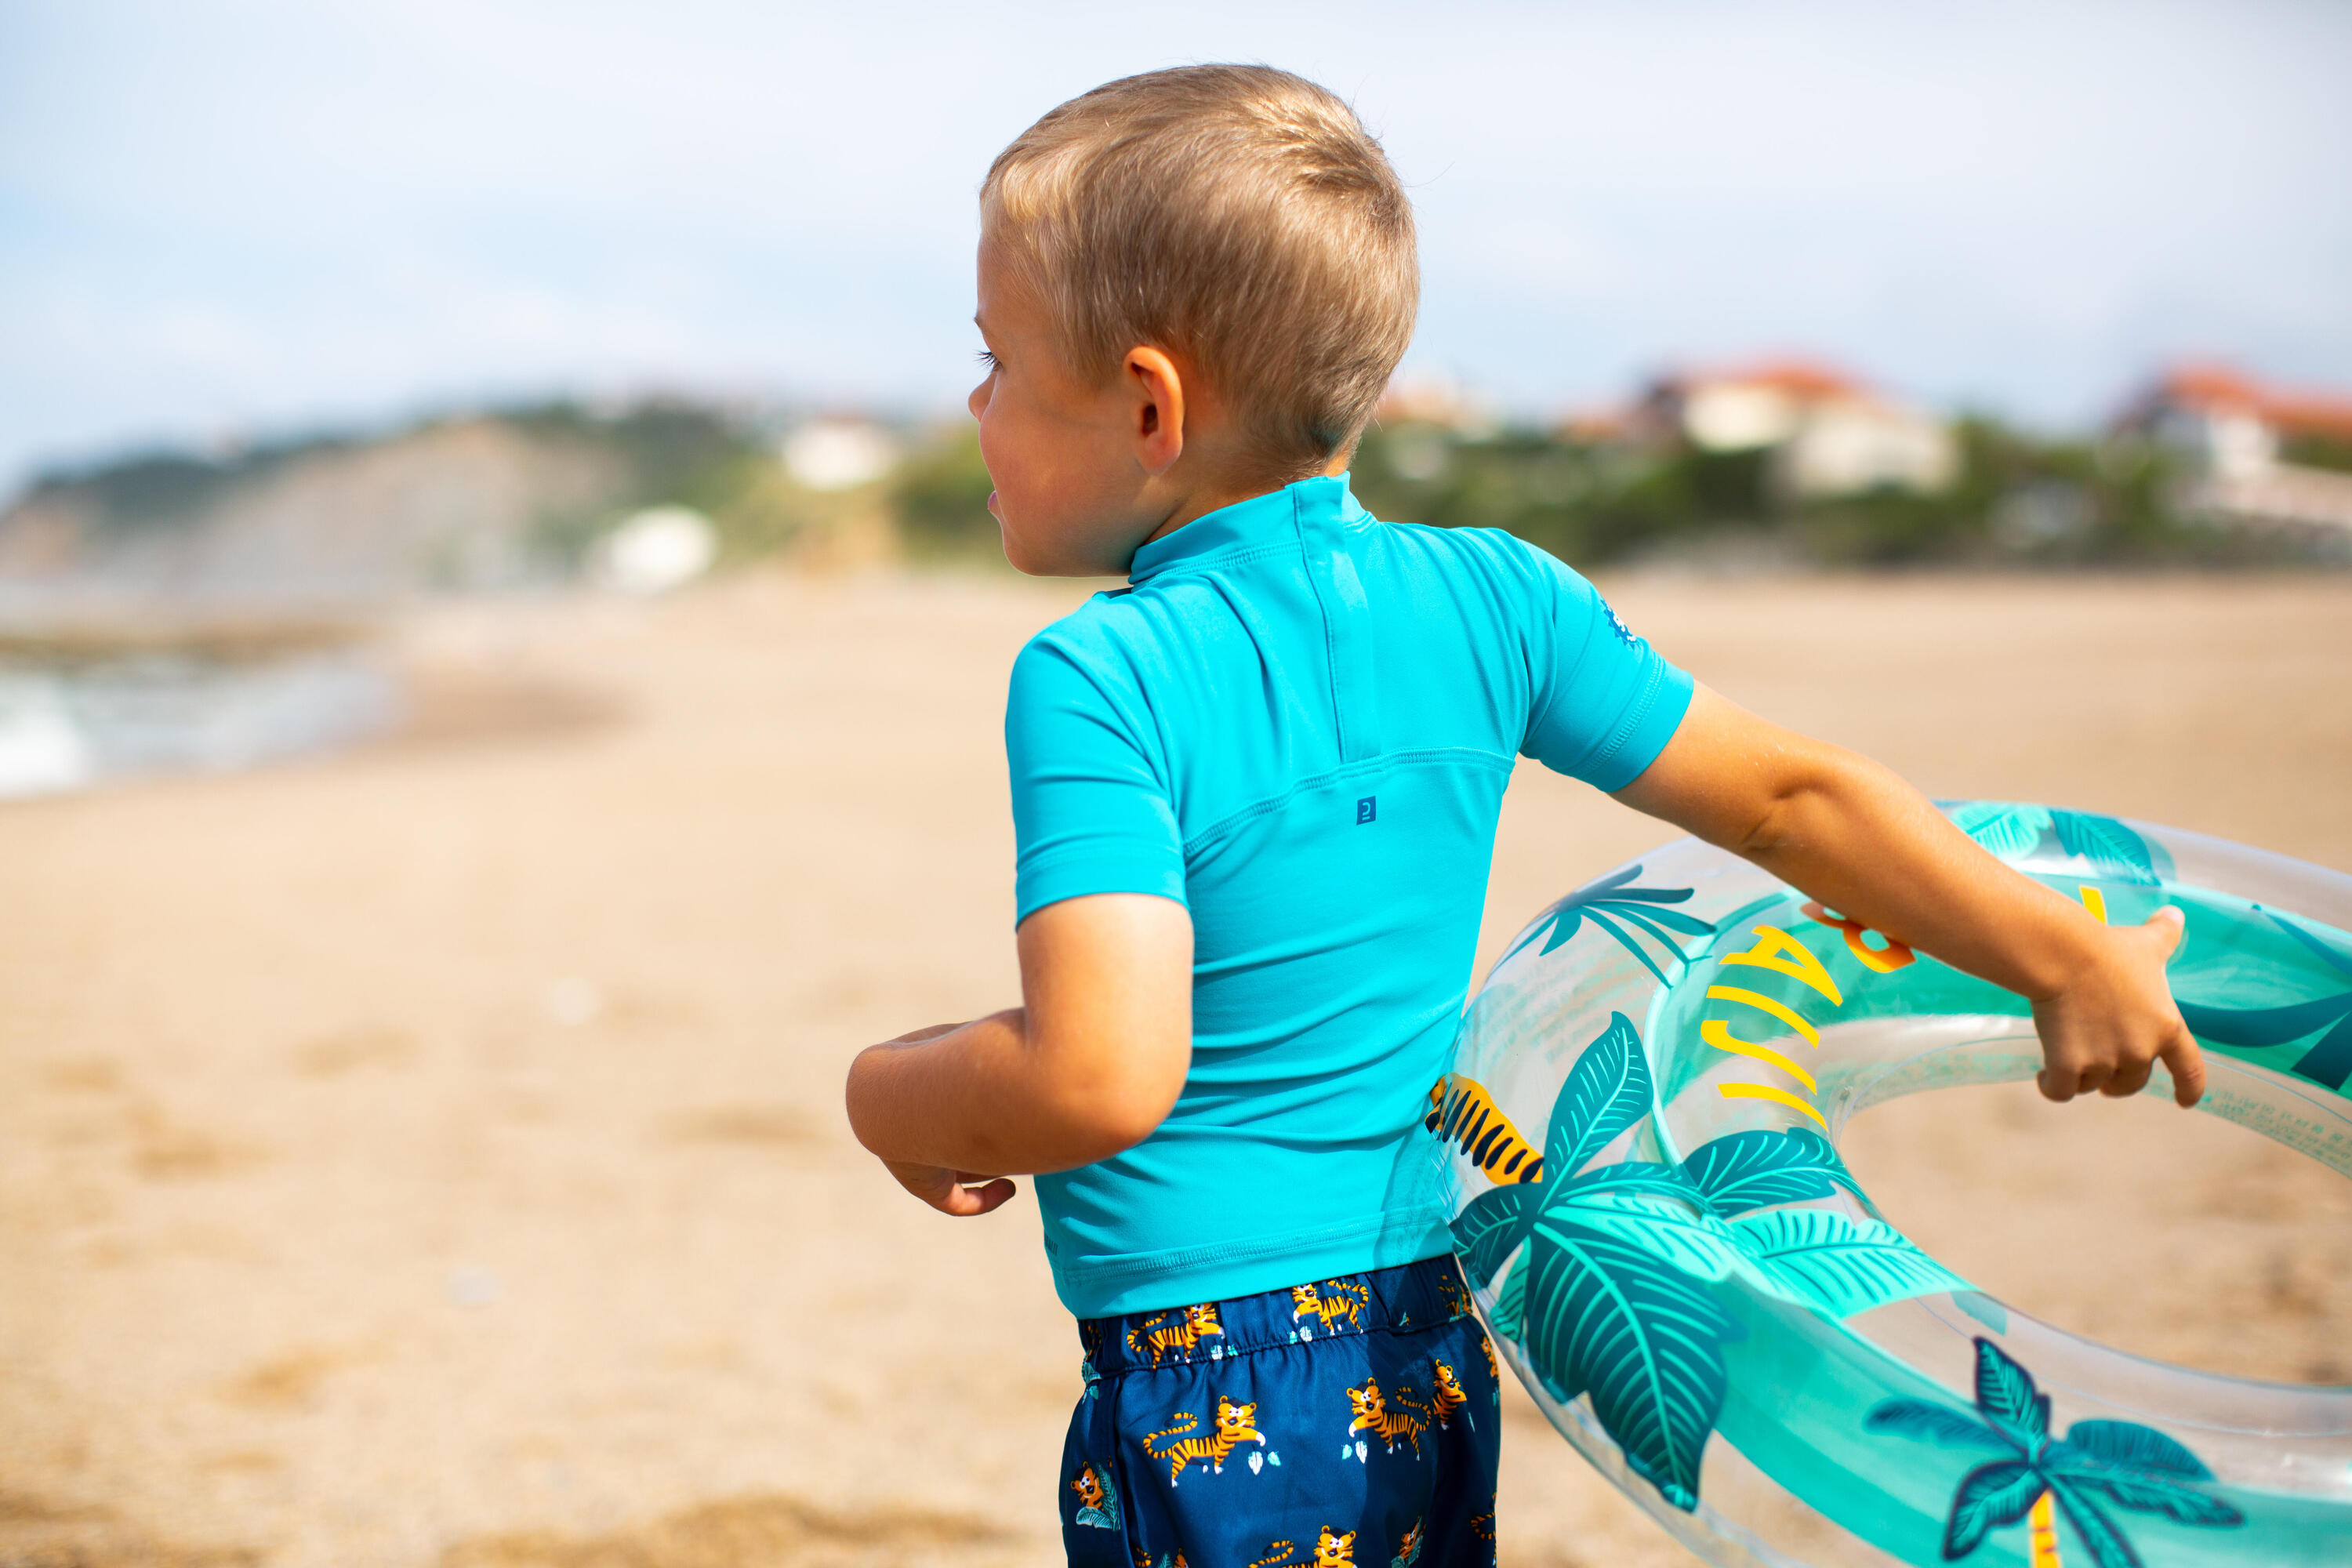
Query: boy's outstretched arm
{"x": 1089, "y": 1063}
{"x": 1871, "y": 848}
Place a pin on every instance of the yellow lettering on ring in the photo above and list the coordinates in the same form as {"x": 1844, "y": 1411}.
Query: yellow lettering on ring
{"x": 1718, "y": 1033}
{"x": 1765, "y": 1091}
{"x": 1793, "y": 959}
{"x": 1787, "y": 1015}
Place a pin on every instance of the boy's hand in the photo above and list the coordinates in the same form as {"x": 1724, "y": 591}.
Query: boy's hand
{"x": 2109, "y": 1024}
{"x": 963, "y": 1193}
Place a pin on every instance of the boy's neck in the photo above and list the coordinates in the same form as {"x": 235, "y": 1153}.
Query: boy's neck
{"x": 1216, "y": 497}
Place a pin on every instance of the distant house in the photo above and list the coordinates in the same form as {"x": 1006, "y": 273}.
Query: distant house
{"x": 1827, "y": 434}
{"x": 2257, "y": 454}
{"x": 1433, "y": 400}
{"x": 1420, "y": 419}
{"x": 839, "y": 453}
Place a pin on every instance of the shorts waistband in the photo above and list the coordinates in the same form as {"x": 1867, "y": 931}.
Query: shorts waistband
{"x": 1409, "y": 1296}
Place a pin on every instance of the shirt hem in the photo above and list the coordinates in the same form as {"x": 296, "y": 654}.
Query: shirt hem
{"x": 1085, "y": 869}
{"x": 1648, "y": 727}
{"x": 1114, "y": 1284}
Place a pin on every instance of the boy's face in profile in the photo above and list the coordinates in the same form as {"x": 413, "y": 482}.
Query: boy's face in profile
{"x": 1057, "y": 448}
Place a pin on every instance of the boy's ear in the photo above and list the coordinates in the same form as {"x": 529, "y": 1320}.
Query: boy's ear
{"x": 1157, "y": 390}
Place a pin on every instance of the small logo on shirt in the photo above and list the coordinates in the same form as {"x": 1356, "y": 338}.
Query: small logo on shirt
{"x": 1367, "y": 809}
{"x": 1624, "y": 632}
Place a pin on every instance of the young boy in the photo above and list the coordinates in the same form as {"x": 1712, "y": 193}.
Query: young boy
{"x": 1255, "y": 794}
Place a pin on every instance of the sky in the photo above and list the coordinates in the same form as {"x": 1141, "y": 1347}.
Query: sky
{"x": 225, "y": 221}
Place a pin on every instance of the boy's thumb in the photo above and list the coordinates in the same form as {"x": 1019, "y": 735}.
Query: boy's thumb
{"x": 2168, "y": 923}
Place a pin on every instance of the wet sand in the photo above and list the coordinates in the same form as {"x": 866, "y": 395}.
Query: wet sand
{"x": 433, "y": 1155}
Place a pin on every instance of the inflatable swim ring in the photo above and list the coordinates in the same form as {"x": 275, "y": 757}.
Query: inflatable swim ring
{"x": 1641, "y": 1137}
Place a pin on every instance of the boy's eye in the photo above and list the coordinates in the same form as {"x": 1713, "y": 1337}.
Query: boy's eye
{"x": 988, "y": 361}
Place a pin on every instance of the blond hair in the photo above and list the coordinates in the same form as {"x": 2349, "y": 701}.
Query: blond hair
{"x": 1237, "y": 216}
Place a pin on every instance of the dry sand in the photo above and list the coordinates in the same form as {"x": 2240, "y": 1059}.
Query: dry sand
{"x": 434, "y": 1154}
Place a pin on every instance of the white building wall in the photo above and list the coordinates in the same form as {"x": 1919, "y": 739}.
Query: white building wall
{"x": 1845, "y": 447}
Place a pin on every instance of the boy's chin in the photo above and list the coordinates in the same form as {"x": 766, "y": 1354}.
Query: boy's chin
{"x": 1032, "y": 558}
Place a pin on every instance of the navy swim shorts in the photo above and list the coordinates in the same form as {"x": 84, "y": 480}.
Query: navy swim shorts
{"x": 1351, "y": 1423}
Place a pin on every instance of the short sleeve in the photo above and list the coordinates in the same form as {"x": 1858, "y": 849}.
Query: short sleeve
{"x": 1603, "y": 703}
{"x": 1090, "y": 812}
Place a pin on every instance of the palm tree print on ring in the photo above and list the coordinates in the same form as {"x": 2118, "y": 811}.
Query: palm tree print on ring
{"x": 1638, "y": 907}
{"x": 2096, "y": 1463}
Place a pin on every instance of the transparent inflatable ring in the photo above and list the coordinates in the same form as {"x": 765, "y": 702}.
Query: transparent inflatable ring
{"x": 1707, "y": 1304}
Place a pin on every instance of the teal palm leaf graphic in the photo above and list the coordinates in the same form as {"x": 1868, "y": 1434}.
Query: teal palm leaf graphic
{"x": 1511, "y": 1305}
{"x": 2328, "y": 1062}
{"x": 1989, "y": 1496}
{"x": 2114, "y": 850}
{"x": 2013, "y": 830}
{"x": 1743, "y": 1171}
{"x": 2095, "y": 1464}
{"x": 1645, "y": 1341}
{"x": 1607, "y": 1093}
{"x": 1839, "y": 1265}
{"x": 1620, "y": 908}
{"x": 2006, "y": 1396}
{"x": 2007, "y": 830}
{"x": 1608, "y": 1296}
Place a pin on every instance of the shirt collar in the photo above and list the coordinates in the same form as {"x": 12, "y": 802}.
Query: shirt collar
{"x": 1261, "y": 520}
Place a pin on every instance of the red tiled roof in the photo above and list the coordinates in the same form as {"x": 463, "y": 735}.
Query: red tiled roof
{"x": 2217, "y": 388}
{"x": 1797, "y": 377}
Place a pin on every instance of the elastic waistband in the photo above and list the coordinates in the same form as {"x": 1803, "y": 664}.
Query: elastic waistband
{"x": 1409, "y": 1296}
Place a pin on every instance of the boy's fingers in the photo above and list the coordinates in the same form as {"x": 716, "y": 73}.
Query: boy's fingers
{"x": 2128, "y": 1079}
{"x": 2187, "y": 1064}
{"x": 967, "y": 1202}
{"x": 2166, "y": 925}
{"x": 2057, "y": 1082}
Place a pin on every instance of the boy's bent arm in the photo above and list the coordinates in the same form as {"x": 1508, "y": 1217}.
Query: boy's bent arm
{"x": 1867, "y": 845}
{"x": 1088, "y": 1065}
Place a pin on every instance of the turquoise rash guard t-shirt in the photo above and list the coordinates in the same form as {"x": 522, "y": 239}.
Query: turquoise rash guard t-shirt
{"x": 1298, "y": 721}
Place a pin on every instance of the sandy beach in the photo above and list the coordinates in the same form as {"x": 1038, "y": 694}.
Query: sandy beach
{"x": 431, "y": 1156}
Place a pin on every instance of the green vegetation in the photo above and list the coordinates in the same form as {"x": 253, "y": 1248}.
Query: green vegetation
{"x": 2318, "y": 451}
{"x": 939, "y": 496}
{"x": 2018, "y": 500}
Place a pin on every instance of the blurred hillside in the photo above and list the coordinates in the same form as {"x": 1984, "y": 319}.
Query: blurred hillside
{"x": 1774, "y": 466}
{"x": 511, "y": 498}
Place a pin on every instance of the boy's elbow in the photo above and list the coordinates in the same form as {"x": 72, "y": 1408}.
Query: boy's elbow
{"x": 1117, "y": 1126}
{"x": 1111, "y": 1111}
{"x": 1783, "y": 812}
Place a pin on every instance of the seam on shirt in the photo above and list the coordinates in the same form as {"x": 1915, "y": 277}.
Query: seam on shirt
{"x": 1091, "y": 853}
{"x": 1235, "y": 819}
{"x": 1635, "y": 713}
{"x": 1240, "y": 556}
{"x": 1323, "y": 608}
